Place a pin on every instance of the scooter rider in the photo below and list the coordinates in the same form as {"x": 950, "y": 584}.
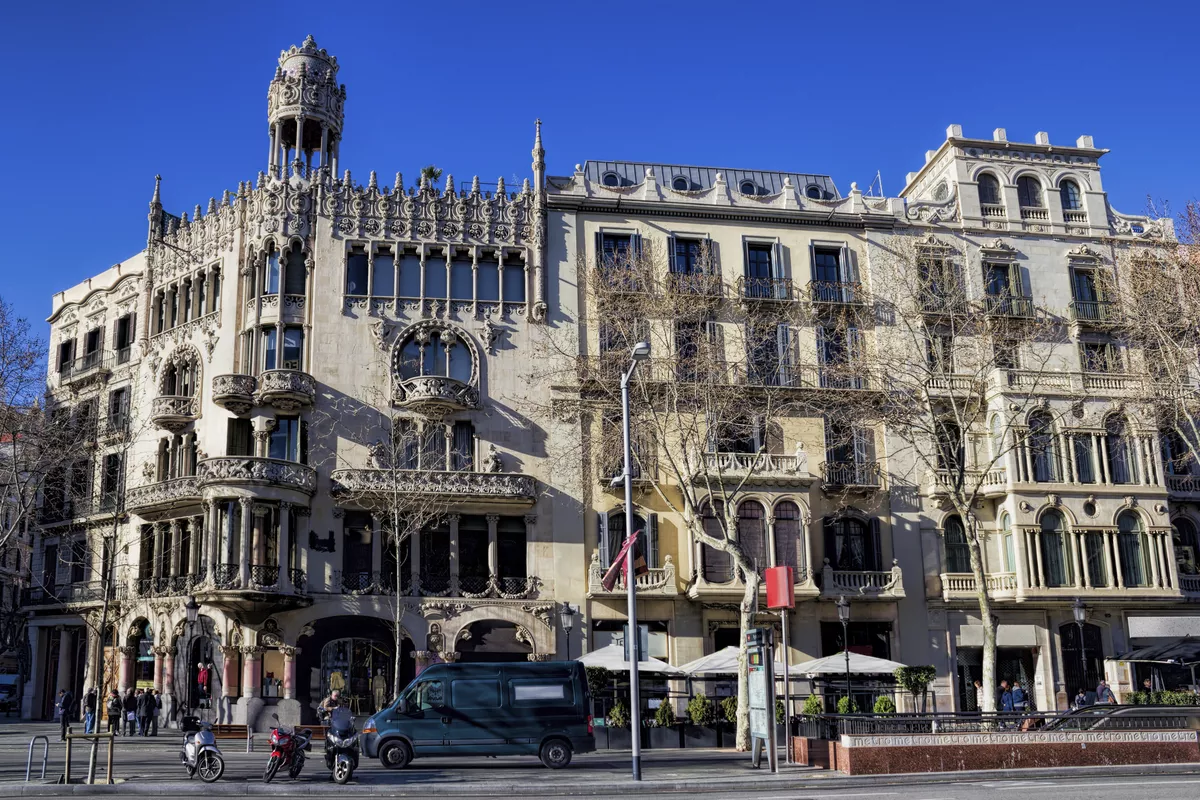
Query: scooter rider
{"x": 330, "y": 703}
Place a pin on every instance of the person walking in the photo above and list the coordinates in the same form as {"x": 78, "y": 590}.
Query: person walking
{"x": 65, "y": 701}
{"x": 145, "y": 710}
{"x": 1019, "y": 701}
{"x": 89, "y": 711}
{"x": 157, "y": 696}
{"x": 1104, "y": 694}
{"x": 1004, "y": 699}
{"x": 116, "y": 710}
{"x": 1081, "y": 700}
{"x": 129, "y": 706}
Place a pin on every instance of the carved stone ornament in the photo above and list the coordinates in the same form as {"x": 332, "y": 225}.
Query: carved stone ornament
{"x": 1054, "y": 500}
{"x": 494, "y": 463}
{"x": 1025, "y": 506}
{"x": 381, "y": 330}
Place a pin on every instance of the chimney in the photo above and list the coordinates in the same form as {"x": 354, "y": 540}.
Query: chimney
{"x": 954, "y": 132}
{"x": 1041, "y": 137}
{"x": 1085, "y": 141}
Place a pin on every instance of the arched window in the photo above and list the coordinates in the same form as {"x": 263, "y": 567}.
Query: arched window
{"x": 437, "y": 355}
{"x": 752, "y": 533}
{"x": 1029, "y": 192}
{"x": 989, "y": 190}
{"x": 958, "y": 554}
{"x": 1068, "y": 191}
{"x": 1187, "y": 547}
{"x": 787, "y": 537}
{"x": 813, "y": 192}
{"x": 1120, "y": 456}
{"x": 1043, "y": 448}
{"x": 717, "y": 565}
{"x": 1056, "y": 560}
{"x": 681, "y": 184}
{"x": 1132, "y": 541}
{"x": 611, "y": 179}
{"x": 1009, "y": 553}
{"x": 270, "y": 278}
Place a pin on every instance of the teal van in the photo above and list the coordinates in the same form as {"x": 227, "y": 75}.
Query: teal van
{"x": 541, "y": 709}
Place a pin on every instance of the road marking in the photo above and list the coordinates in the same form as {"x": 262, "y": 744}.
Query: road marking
{"x": 1088, "y": 782}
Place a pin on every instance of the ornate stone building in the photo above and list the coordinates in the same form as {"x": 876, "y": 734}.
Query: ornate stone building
{"x": 288, "y": 379}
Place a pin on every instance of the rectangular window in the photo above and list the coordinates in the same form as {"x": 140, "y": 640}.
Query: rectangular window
{"x": 407, "y": 443}
{"x": 66, "y": 355}
{"x": 939, "y": 351}
{"x": 118, "y": 408}
{"x": 435, "y": 275}
{"x": 433, "y": 448}
{"x": 270, "y": 349}
{"x": 91, "y": 347}
{"x": 827, "y": 267}
{"x": 81, "y": 481}
{"x": 124, "y": 338}
{"x": 615, "y": 249}
{"x": 1083, "y": 285}
{"x": 110, "y": 482}
{"x": 758, "y": 262}
{"x": 530, "y": 692}
{"x": 50, "y": 566}
{"x": 998, "y": 279}
{"x": 239, "y": 438}
{"x": 356, "y": 272}
{"x": 1084, "y": 471}
{"x": 293, "y": 348}
{"x": 462, "y": 277}
{"x": 687, "y": 258}
{"x": 475, "y": 694}
{"x": 514, "y": 282}
{"x": 1098, "y": 357}
{"x": 410, "y": 275}
{"x": 285, "y": 439}
{"x": 187, "y": 300}
{"x": 270, "y": 283}
{"x": 488, "y": 279}
{"x": 1006, "y": 353}
{"x": 511, "y": 552}
{"x": 295, "y": 273}
{"x": 462, "y": 456}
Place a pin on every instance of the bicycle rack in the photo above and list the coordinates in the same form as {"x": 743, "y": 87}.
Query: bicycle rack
{"x": 45, "y": 756}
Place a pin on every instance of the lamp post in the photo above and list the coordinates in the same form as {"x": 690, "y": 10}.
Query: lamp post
{"x": 640, "y": 352}
{"x": 566, "y": 617}
{"x": 843, "y": 608}
{"x": 1080, "y": 611}
{"x": 192, "y": 609}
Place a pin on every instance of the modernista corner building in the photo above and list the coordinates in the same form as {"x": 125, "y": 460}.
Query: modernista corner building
{"x": 281, "y": 374}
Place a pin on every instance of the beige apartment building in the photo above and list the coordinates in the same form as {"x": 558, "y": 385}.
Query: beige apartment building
{"x": 365, "y": 426}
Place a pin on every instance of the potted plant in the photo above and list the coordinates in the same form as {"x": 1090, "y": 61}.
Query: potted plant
{"x": 664, "y": 734}
{"x": 727, "y": 722}
{"x": 617, "y": 723}
{"x": 884, "y": 705}
{"x": 702, "y": 731}
{"x": 781, "y": 721}
{"x": 847, "y": 705}
{"x": 916, "y": 680}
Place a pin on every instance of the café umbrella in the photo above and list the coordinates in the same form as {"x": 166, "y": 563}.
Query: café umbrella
{"x": 612, "y": 658}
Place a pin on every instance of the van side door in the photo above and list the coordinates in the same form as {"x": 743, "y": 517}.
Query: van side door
{"x": 478, "y": 723}
{"x": 423, "y": 718}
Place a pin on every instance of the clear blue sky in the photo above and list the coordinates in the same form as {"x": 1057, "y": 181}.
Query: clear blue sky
{"x": 104, "y": 95}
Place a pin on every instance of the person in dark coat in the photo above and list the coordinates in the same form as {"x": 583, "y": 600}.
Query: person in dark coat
{"x": 116, "y": 710}
{"x": 66, "y": 701}
{"x": 157, "y": 695}
{"x": 130, "y": 708}
{"x": 145, "y": 711}
{"x": 89, "y": 711}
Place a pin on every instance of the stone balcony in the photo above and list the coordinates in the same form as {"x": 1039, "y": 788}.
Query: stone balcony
{"x": 234, "y": 393}
{"x": 249, "y": 471}
{"x": 847, "y": 476}
{"x": 656, "y": 582}
{"x": 993, "y": 483}
{"x": 173, "y": 412}
{"x": 434, "y": 394}
{"x": 732, "y": 587}
{"x": 962, "y": 586}
{"x": 757, "y": 469}
{"x": 439, "y": 583}
{"x": 862, "y": 584}
{"x": 487, "y": 487}
{"x": 163, "y": 495}
{"x": 1190, "y": 586}
{"x": 286, "y": 389}
{"x": 1183, "y": 487}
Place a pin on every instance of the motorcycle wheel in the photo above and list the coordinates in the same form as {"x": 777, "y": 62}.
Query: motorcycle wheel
{"x": 342, "y": 772}
{"x": 297, "y": 765}
{"x": 272, "y": 768}
{"x": 210, "y": 766}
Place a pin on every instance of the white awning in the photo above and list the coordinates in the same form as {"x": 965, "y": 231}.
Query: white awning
{"x": 722, "y": 662}
{"x": 836, "y": 665}
{"x": 612, "y": 658}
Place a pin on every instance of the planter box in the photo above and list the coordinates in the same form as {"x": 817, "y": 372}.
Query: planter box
{"x": 619, "y": 739}
{"x": 701, "y": 736}
{"x": 665, "y": 738}
{"x": 726, "y": 735}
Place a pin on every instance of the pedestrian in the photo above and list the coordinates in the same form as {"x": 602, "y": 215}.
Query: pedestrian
{"x": 1004, "y": 701}
{"x": 1104, "y": 694}
{"x": 1019, "y": 701}
{"x": 329, "y": 704}
{"x": 978, "y": 696}
{"x": 1081, "y": 700}
{"x": 65, "y": 701}
{"x": 89, "y": 711}
{"x": 116, "y": 710}
{"x": 157, "y": 695}
{"x": 145, "y": 711}
{"x": 129, "y": 706}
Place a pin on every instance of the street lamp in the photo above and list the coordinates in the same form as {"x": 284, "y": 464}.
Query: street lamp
{"x": 1080, "y": 611}
{"x": 566, "y": 616}
{"x": 640, "y": 352}
{"x": 193, "y": 610}
{"x": 843, "y": 607}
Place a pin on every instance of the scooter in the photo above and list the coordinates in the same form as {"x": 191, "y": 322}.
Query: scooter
{"x": 287, "y": 750}
{"x": 341, "y": 746}
{"x": 200, "y": 754}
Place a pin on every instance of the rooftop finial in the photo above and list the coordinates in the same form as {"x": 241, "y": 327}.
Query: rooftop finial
{"x": 449, "y": 185}
{"x": 500, "y": 186}
{"x": 372, "y": 182}
{"x": 156, "y": 200}
{"x": 475, "y": 185}
{"x": 309, "y": 41}
{"x": 198, "y": 214}
{"x": 399, "y": 188}
{"x": 212, "y": 205}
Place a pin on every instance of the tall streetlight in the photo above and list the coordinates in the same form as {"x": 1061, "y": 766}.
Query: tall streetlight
{"x": 566, "y": 617}
{"x": 1080, "y": 611}
{"x": 843, "y": 607}
{"x": 640, "y": 352}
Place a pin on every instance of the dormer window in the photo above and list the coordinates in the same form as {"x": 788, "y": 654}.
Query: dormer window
{"x": 1069, "y": 192}
{"x": 1029, "y": 192}
{"x": 748, "y": 187}
{"x": 681, "y": 184}
{"x": 989, "y": 190}
{"x": 611, "y": 179}
{"x": 813, "y": 192}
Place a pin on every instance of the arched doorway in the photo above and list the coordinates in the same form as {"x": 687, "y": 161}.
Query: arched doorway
{"x": 355, "y": 656}
{"x": 493, "y": 640}
{"x": 1083, "y": 667}
{"x": 202, "y": 653}
{"x": 142, "y": 640}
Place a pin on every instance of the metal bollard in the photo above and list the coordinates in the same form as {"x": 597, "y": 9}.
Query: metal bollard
{"x": 91, "y": 778}
{"x": 249, "y": 739}
{"x": 67, "y": 767}
{"x": 45, "y": 756}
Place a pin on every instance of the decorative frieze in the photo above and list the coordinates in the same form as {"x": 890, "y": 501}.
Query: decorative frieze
{"x": 259, "y": 471}
{"x": 460, "y": 485}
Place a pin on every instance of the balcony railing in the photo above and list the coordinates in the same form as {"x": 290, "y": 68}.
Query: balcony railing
{"x": 851, "y": 475}
{"x": 962, "y": 585}
{"x": 1190, "y": 584}
{"x": 954, "y": 384}
{"x": 286, "y": 389}
{"x": 67, "y": 593}
{"x": 236, "y": 470}
{"x": 225, "y": 576}
{"x": 434, "y": 392}
{"x": 1091, "y": 311}
{"x": 1186, "y": 485}
{"x": 1075, "y": 217}
{"x": 298, "y": 580}
{"x": 1035, "y": 214}
{"x": 264, "y": 576}
{"x": 863, "y": 584}
{"x": 993, "y": 210}
{"x": 172, "y": 412}
{"x": 234, "y": 392}
{"x": 765, "y": 289}
{"x": 1008, "y": 306}
{"x": 170, "y": 586}
{"x": 620, "y": 277}
{"x": 97, "y": 365}
{"x": 496, "y": 486}
{"x": 65, "y": 510}
{"x": 655, "y": 581}
{"x": 994, "y": 481}
{"x": 176, "y": 491}
{"x": 699, "y": 284}
{"x": 836, "y": 292}
{"x": 758, "y": 468}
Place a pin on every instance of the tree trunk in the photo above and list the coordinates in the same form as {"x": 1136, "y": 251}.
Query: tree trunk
{"x": 987, "y": 702}
{"x": 745, "y": 623}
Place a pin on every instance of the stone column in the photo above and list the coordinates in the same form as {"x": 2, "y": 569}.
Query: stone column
{"x": 1023, "y": 556}
{"x": 176, "y": 547}
{"x": 454, "y": 519}
{"x": 247, "y": 523}
{"x": 1153, "y": 555}
{"x": 1083, "y": 560}
{"x": 493, "y": 548}
{"x": 157, "y": 564}
{"x": 229, "y": 655}
{"x": 1118, "y": 574}
{"x": 284, "y": 547}
{"x": 1037, "y": 552}
{"x": 1169, "y": 556}
{"x": 125, "y": 668}
{"x": 252, "y": 671}
{"x": 159, "y": 652}
{"x": 1075, "y": 543}
{"x": 196, "y": 561}
{"x": 289, "y": 670}
{"x": 168, "y": 686}
{"x": 66, "y": 659}
{"x": 1105, "y": 473}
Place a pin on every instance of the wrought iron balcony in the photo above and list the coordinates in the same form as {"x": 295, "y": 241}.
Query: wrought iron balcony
{"x": 94, "y": 366}
{"x": 225, "y": 576}
{"x": 434, "y": 393}
{"x": 299, "y": 581}
{"x": 461, "y": 485}
{"x": 659, "y": 581}
{"x": 698, "y": 284}
{"x": 359, "y": 582}
{"x": 286, "y": 389}
{"x": 235, "y": 393}
{"x": 1008, "y": 306}
{"x": 164, "y": 494}
{"x": 851, "y": 475}
{"x": 170, "y": 586}
{"x": 252, "y": 471}
{"x": 264, "y": 576}
{"x": 766, "y": 289}
{"x": 173, "y": 412}
{"x": 836, "y": 293}
{"x": 862, "y": 584}
{"x": 1092, "y": 313}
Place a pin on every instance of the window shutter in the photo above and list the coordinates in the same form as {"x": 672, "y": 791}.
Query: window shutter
{"x": 652, "y": 539}
{"x": 711, "y": 248}
{"x": 599, "y": 249}
{"x": 821, "y": 344}
{"x": 672, "y": 263}
{"x": 603, "y": 537}
{"x": 777, "y": 263}
{"x": 746, "y": 258}
{"x": 760, "y": 433}
{"x": 635, "y": 242}
{"x": 812, "y": 262}
{"x": 849, "y": 270}
{"x": 303, "y": 442}
{"x": 875, "y": 557}
{"x": 830, "y": 534}
{"x": 864, "y": 445}
{"x": 783, "y": 345}
{"x": 710, "y": 433}
{"x": 1016, "y": 287}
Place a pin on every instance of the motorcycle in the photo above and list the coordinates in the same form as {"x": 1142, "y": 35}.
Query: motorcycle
{"x": 341, "y": 746}
{"x": 200, "y": 754}
{"x": 287, "y": 750}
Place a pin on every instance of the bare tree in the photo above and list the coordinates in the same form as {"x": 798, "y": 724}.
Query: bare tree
{"x": 966, "y": 375}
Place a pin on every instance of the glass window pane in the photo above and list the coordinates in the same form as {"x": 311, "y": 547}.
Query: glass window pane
{"x": 489, "y": 280}
{"x": 460, "y": 363}
{"x": 271, "y": 278}
{"x": 383, "y": 275}
{"x": 293, "y": 348}
{"x": 294, "y": 273}
{"x": 269, "y": 349}
{"x": 435, "y": 276}
{"x": 514, "y": 283}
{"x": 462, "y": 279}
{"x": 410, "y": 276}
{"x": 356, "y": 274}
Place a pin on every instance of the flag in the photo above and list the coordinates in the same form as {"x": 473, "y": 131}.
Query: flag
{"x": 618, "y": 565}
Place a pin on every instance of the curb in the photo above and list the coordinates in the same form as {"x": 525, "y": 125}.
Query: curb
{"x": 425, "y": 789}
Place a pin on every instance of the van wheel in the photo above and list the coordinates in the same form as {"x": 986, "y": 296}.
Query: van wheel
{"x": 555, "y": 753}
{"x": 395, "y": 755}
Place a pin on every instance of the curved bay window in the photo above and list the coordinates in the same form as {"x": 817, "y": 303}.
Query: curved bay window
{"x": 852, "y": 543}
{"x": 1043, "y": 448}
{"x": 1131, "y": 540}
{"x": 1056, "y": 559}
{"x": 1187, "y": 547}
{"x": 752, "y": 533}
{"x": 180, "y": 378}
{"x": 787, "y": 537}
{"x": 958, "y": 553}
{"x": 717, "y": 565}
{"x": 1120, "y": 454}
{"x": 440, "y": 356}
{"x": 290, "y": 355}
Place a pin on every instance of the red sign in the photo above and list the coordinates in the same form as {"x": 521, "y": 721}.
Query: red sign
{"x": 781, "y": 589}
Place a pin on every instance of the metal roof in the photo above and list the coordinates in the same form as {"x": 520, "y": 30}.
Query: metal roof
{"x": 631, "y": 173}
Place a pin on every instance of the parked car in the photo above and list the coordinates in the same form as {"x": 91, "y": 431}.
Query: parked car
{"x": 1112, "y": 718}
{"x": 537, "y": 709}
{"x": 8, "y": 693}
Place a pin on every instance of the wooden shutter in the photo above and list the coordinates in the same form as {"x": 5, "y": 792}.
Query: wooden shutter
{"x": 671, "y": 262}
{"x": 864, "y": 445}
{"x": 603, "y": 538}
{"x": 716, "y": 341}
{"x": 635, "y": 245}
{"x": 599, "y": 249}
{"x": 875, "y": 562}
{"x": 1016, "y": 286}
{"x": 746, "y": 258}
{"x": 847, "y": 267}
{"x": 711, "y": 267}
{"x": 652, "y": 560}
{"x": 777, "y": 264}
{"x": 783, "y": 344}
{"x": 830, "y": 534}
